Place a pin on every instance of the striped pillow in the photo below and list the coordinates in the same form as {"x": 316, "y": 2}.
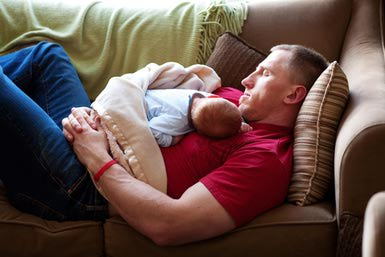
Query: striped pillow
{"x": 314, "y": 137}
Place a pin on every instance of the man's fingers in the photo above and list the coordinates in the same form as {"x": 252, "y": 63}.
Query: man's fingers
{"x": 75, "y": 123}
{"x": 82, "y": 115}
{"x": 90, "y": 121}
{"x": 98, "y": 125}
{"x": 77, "y": 118}
{"x": 68, "y": 136}
{"x": 67, "y": 129}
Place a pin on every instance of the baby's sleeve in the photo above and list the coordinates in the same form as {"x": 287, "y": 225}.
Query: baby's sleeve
{"x": 161, "y": 138}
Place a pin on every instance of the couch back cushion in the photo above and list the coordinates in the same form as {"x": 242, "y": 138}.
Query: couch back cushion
{"x": 233, "y": 59}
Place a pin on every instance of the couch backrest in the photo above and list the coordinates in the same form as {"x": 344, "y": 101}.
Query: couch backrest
{"x": 318, "y": 24}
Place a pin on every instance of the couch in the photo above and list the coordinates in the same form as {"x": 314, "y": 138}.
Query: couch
{"x": 349, "y": 31}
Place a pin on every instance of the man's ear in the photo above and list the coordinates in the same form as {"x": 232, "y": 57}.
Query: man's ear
{"x": 296, "y": 94}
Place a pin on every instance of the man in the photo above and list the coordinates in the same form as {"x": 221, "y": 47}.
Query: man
{"x": 213, "y": 185}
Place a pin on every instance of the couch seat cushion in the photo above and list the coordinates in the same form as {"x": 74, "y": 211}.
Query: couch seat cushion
{"x": 27, "y": 235}
{"x": 284, "y": 231}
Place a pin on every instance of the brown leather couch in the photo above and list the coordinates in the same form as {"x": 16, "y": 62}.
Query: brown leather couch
{"x": 350, "y": 31}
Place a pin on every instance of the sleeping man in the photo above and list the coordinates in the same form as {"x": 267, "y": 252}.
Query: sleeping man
{"x": 213, "y": 186}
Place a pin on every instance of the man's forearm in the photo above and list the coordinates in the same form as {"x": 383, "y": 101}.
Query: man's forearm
{"x": 195, "y": 216}
{"x": 143, "y": 207}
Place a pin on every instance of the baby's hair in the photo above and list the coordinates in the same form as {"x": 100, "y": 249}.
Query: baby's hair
{"x": 218, "y": 118}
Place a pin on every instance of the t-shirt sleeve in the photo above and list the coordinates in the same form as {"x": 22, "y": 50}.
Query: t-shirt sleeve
{"x": 248, "y": 183}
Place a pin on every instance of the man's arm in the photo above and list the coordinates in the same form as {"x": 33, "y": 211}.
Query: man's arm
{"x": 194, "y": 216}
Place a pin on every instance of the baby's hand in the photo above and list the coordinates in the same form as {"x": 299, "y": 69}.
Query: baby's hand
{"x": 176, "y": 139}
{"x": 245, "y": 127}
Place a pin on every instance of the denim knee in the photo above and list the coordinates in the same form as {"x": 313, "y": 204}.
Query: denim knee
{"x": 46, "y": 52}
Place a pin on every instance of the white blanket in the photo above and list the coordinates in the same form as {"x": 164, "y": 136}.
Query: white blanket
{"x": 121, "y": 108}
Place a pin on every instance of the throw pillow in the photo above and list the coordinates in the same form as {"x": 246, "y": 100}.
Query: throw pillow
{"x": 314, "y": 137}
{"x": 233, "y": 59}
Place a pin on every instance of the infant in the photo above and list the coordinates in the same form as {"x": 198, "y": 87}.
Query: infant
{"x": 174, "y": 112}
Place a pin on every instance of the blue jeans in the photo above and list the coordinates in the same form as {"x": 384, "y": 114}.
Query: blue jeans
{"x": 42, "y": 175}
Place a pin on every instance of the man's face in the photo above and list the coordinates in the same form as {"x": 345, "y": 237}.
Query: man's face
{"x": 266, "y": 87}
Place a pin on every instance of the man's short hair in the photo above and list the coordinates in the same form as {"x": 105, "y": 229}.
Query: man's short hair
{"x": 305, "y": 63}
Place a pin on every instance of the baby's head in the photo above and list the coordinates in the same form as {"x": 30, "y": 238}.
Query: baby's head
{"x": 215, "y": 117}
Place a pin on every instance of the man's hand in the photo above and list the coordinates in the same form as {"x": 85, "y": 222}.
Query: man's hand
{"x": 87, "y": 137}
{"x": 84, "y": 112}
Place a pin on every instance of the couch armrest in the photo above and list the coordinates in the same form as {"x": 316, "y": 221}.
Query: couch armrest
{"x": 360, "y": 145}
{"x": 374, "y": 227}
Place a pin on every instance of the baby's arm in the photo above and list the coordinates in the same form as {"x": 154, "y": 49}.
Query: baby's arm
{"x": 162, "y": 139}
{"x": 163, "y": 126}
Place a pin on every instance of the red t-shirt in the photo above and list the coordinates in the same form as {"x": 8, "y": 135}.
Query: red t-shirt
{"x": 247, "y": 174}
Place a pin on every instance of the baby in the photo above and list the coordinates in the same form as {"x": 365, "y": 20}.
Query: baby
{"x": 174, "y": 112}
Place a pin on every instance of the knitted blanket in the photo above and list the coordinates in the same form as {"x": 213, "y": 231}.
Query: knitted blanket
{"x": 106, "y": 39}
{"x": 121, "y": 108}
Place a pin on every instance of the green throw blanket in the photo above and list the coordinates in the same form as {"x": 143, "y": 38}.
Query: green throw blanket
{"x": 105, "y": 39}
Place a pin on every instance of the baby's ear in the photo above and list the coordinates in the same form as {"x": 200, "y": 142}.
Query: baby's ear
{"x": 296, "y": 94}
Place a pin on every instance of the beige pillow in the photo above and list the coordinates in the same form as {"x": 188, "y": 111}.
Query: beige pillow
{"x": 233, "y": 59}
{"x": 314, "y": 137}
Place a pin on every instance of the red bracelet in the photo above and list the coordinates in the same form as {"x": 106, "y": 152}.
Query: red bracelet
{"x": 103, "y": 169}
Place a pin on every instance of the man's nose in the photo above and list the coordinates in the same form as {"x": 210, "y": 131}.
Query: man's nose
{"x": 248, "y": 82}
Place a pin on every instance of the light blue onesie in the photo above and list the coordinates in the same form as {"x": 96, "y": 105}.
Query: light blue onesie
{"x": 167, "y": 112}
